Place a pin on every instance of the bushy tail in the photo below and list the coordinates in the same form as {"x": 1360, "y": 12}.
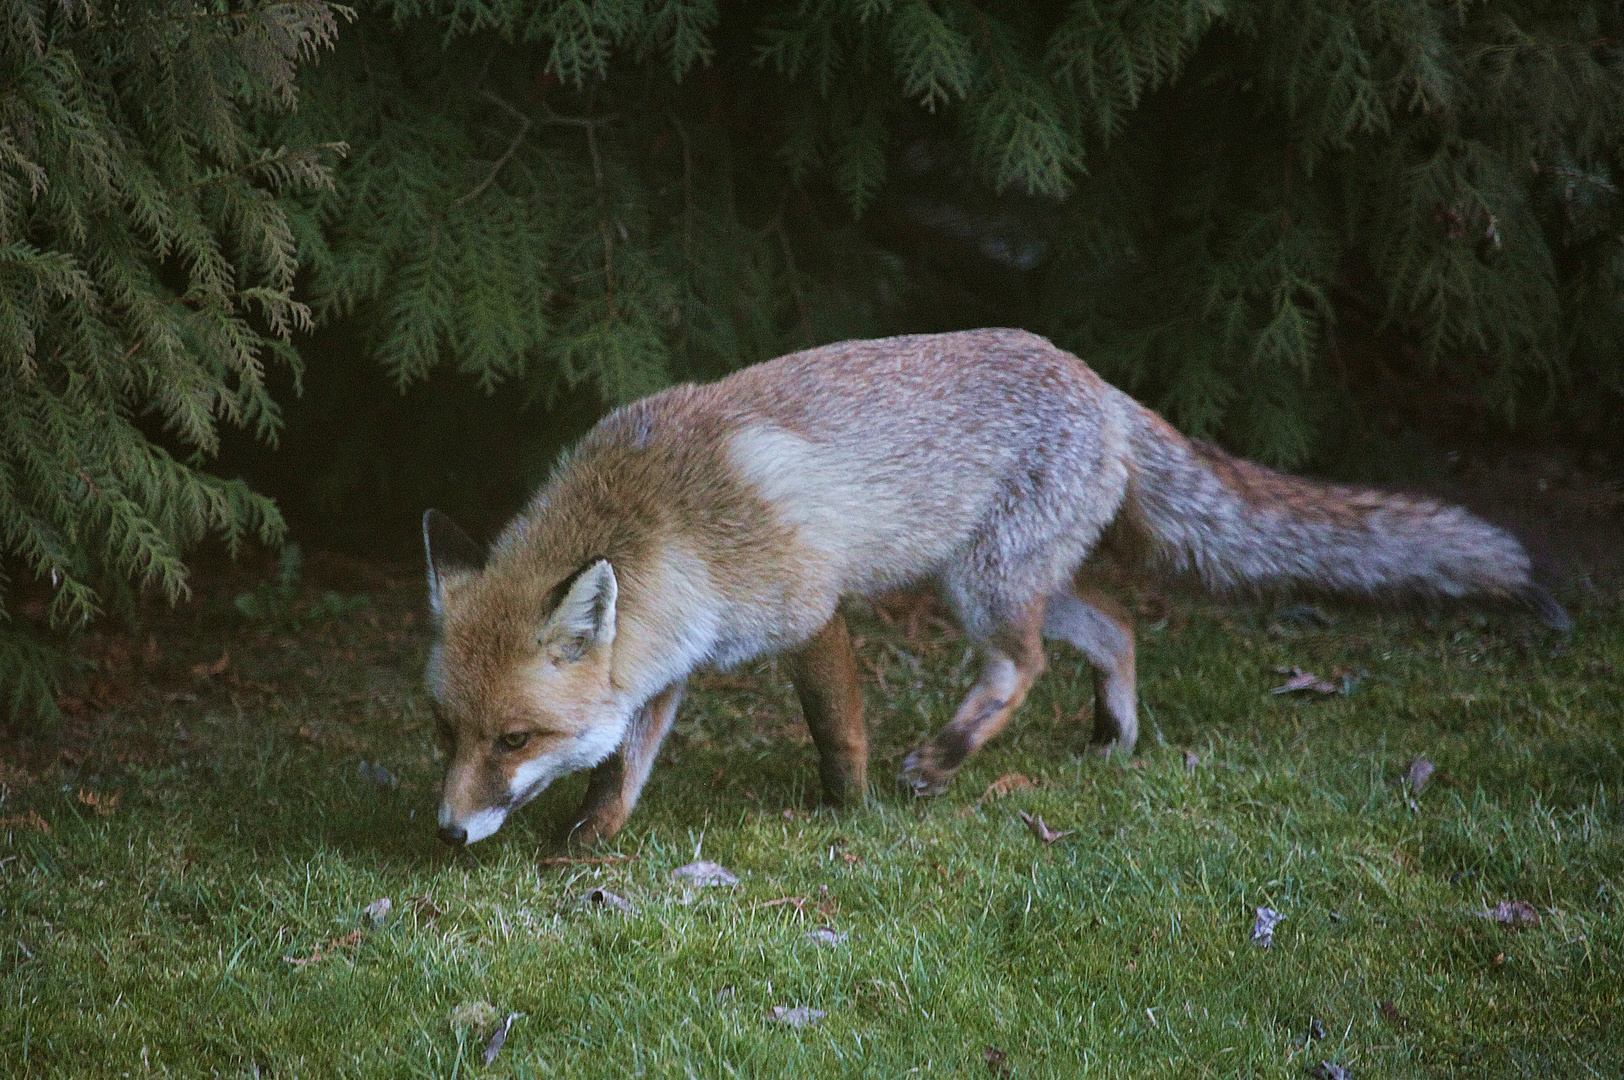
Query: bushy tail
{"x": 1234, "y": 522}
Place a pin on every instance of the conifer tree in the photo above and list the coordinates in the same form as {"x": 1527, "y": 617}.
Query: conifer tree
{"x": 544, "y": 194}
{"x": 146, "y": 273}
{"x": 632, "y": 191}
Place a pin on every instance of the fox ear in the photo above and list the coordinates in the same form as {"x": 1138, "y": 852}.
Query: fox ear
{"x": 452, "y": 556}
{"x": 585, "y": 618}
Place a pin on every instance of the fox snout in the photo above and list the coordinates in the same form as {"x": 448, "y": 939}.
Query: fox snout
{"x": 462, "y": 832}
{"x": 476, "y": 801}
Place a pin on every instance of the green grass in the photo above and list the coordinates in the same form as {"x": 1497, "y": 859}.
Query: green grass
{"x": 154, "y": 939}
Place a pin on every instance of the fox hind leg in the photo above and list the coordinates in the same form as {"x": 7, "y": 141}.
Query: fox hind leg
{"x": 1103, "y": 632}
{"x": 1013, "y": 661}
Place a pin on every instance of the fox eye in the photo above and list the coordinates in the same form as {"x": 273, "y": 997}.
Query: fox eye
{"x": 512, "y": 740}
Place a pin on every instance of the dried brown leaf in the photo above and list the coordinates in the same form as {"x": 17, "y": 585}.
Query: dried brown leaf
{"x": 797, "y": 902}
{"x": 104, "y": 804}
{"x": 584, "y": 860}
{"x": 208, "y": 670}
{"x": 1041, "y": 830}
{"x": 1010, "y": 781}
{"x": 327, "y": 949}
{"x": 30, "y": 820}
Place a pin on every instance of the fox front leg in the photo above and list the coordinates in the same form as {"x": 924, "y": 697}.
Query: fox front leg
{"x": 824, "y": 671}
{"x": 612, "y": 792}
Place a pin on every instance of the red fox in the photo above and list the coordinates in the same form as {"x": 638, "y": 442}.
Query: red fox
{"x": 709, "y": 524}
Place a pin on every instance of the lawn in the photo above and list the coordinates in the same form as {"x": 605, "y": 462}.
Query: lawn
{"x": 189, "y": 866}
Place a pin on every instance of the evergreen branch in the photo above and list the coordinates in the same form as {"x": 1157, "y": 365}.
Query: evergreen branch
{"x": 285, "y": 166}
{"x": 198, "y": 17}
{"x": 777, "y": 227}
{"x": 513, "y": 148}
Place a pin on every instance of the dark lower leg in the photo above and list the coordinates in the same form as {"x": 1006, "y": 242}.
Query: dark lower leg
{"x": 824, "y": 672}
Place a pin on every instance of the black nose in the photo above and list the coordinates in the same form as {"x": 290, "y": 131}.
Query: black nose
{"x": 455, "y": 835}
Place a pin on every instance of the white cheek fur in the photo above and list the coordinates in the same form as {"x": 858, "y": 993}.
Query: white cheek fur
{"x": 592, "y": 747}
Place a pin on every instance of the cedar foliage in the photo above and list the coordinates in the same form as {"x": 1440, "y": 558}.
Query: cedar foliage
{"x": 545, "y": 194}
{"x": 146, "y": 273}
{"x": 632, "y": 191}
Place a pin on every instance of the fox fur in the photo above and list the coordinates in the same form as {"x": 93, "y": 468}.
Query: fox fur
{"x": 709, "y": 524}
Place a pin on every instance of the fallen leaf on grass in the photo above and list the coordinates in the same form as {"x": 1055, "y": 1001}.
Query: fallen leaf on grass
{"x": 208, "y": 670}
{"x": 498, "y": 1037}
{"x": 30, "y": 820}
{"x": 797, "y": 902}
{"x": 322, "y": 952}
{"x": 825, "y": 935}
{"x": 584, "y": 860}
{"x": 600, "y": 898}
{"x": 1010, "y": 781}
{"x": 1263, "y": 926}
{"x": 104, "y": 805}
{"x": 1390, "y": 1011}
{"x": 1513, "y": 913}
{"x": 1325, "y": 1070}
{"x": 377, "y": 911}
{"x": 1419, "y": 772}
{"x": 1304, "y": 680}
{"x": 1042, "y": 831}
{"x": 703, "y": 874}
{"x": 997, "y": 1061}
{"x": 798, "y": 1017}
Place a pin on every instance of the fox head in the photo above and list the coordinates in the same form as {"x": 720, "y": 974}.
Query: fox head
{"x": 520, "y": 676}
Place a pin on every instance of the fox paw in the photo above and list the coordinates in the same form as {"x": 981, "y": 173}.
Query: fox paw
{"x": 923, "y": 774}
